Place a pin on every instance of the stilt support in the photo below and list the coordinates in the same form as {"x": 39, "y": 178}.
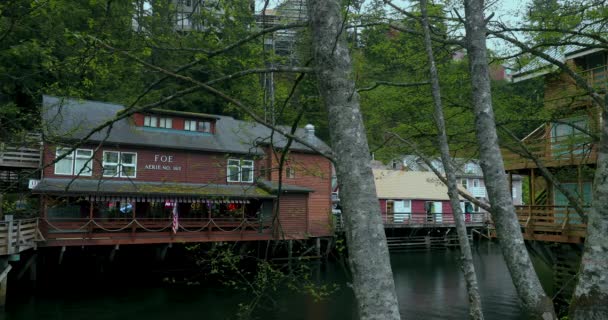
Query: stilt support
{"x": 61, "y": 254}
{"x": 6, "y": 268}
{"x": 113, "y": 252}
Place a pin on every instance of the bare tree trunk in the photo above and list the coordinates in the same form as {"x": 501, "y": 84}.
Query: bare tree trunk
{"x": 590, "y": 299}
{"x": 475, "y": 310}
{"x": 535, "y": 302}
{"x": 367, "y": 249}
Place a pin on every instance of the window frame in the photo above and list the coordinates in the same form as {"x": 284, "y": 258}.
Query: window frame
{"x": 72, "y": 157}
{"x": 239, "y": 164}
{"x": 88, "y": 163}
{"x": 290, "y": 172}
{"x": 130, "y": 165}
{"x": 148, "y": 121}
{"x": 190, "y": 125}
{"x": 119, "y": 164}
{"x": 476, "y": 183}
{"x": 165, "y": 123}
{"x": 465, "y": 183}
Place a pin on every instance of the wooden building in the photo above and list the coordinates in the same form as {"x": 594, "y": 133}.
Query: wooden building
{"x": 415, "y": 198}
{"x": 564, "y": 146}
{"x": 163, "y": 176}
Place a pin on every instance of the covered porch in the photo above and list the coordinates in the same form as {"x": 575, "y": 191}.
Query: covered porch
{"x": 94, "y": 212}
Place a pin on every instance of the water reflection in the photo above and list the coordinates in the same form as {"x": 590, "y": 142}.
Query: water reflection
{"x": 429, "y": 286}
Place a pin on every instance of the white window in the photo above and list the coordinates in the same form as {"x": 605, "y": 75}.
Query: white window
{"x": 469, "y": 168}
{"x": 514, "y": 193}
{"x": 403, "y": 206}
{"x": 128, "y": 164}
{"x": 240, "y": 170}
{"x": 475, "y": 183}
{"x": 77, "y": 162}
{"x": 200, "y": 126}
{"x": 290, "y": 172}
{"x": 165, "y": 123}
{"x": 119, "y": 164}
{"x": 204, "y": 126}
{"x": 190, "y": 125}
{"x": 83, "y": 162}
{"x": 150, "y": 121}
{"x": 464, "y": 183}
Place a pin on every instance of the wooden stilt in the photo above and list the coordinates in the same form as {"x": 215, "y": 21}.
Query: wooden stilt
{"x": 113, "y": 252}
{"x": 532, "y": 187}
{"x": 289, "y": 253}
{"x": 6, "y": 268}
{"x": 61, "y": 254}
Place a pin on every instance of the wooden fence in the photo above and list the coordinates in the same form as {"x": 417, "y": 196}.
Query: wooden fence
{"x": 18, "y": 235}
{"x": 551, "y": 223}
{"x": 431, "y": 219}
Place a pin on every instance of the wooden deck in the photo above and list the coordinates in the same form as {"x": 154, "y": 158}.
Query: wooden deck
{"x": 422, "y": 220}
{"x": 75, "y": 232}
{"x": 18, "y": 235}
{"x": 26, "y": 155}
{"x": 552, "y": 153}
{"x": 550, "y": 224}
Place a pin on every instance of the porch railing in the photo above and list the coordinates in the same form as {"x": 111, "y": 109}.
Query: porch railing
{"x": 24, "y": 154}
{"x": 553, "y": 151}
{"x": 566, "y": 93}
{"x": 553, "y": 219}
{"x": 18, "y": 235}
{"x": 53, "y": 227}
{"x": 431, "y": 218}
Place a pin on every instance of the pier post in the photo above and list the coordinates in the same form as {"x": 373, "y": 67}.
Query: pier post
{"x": 5, "y": 268}
{"x": 289, "y": 253}
{"x": 318, "y": 247}
{"x": 61, "y": 254}
{"x": 113, "y": 252}
{"x": 427, "y": 241}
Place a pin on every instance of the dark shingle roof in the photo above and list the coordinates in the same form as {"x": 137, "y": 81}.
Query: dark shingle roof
{"x": 128, "y": 188}
{"x": 273, "y": 187}
{"x": 72, "y": 119}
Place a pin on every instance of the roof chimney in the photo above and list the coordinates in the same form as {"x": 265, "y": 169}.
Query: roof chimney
{"x": 309, "y": 129}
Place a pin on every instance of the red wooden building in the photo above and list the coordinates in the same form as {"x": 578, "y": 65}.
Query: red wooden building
{"x": 165, "y": 176}
{"x": 415, "y": 198}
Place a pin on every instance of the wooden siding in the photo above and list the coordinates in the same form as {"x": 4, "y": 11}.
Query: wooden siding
{"x": 561, "y": 90}
{"x": 195, "y": 167}
{"x": 314, "y": 172}
{"x": 293, "y": 218}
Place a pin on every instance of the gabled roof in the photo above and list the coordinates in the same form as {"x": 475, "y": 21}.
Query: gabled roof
{"x": 394, "y": 184}
{"x": 67, "y": 119}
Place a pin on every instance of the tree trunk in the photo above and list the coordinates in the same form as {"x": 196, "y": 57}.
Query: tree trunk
{"x": 535, "y": 302}
{"x": 367, "y": 249}
{"x": 590, "y": 299}
{"x": 475, "y": 310}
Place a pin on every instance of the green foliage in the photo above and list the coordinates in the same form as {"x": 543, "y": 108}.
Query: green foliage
{"x": 260, "y": 279}
{"x": 399, "y": 57}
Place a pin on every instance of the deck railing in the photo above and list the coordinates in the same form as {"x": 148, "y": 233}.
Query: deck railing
{"x": 431, "y": 219}
{"x": 22, "y": 154}
{"x": 83, "y": 227}
{"x": 551, "y": 220}
{"x": 597, "y": 77}
{"x": 566, "y": 93}
{"x": 553, "y": 151}
{"x": 18, "y": 235}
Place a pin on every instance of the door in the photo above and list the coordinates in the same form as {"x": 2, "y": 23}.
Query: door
{"x": 438, "y": 210}
{"x": 403, "y": 210}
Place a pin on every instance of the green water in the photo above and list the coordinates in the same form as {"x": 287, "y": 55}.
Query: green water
{"x": 429, "y": 286}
